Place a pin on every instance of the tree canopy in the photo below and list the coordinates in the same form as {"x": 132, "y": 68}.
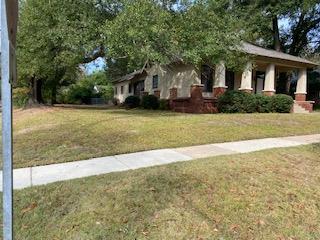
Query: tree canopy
{"x": 300, "y": 33}
{"x": 55, "y": 37}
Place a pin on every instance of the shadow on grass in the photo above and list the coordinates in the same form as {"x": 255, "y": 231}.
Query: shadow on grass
{"x": 120, "y": 110}
{"x": 146, "y": 113}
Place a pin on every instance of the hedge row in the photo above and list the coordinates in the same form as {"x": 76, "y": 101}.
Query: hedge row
{"x": 147, "y": 102}
{"x": 241, "y": 102}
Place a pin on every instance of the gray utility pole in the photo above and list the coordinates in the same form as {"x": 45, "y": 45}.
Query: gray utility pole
{"x": 9, "y": 15}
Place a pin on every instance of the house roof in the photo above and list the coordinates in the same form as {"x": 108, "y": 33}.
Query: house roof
{"x": 247, "y": 48}
{"x": 130, "y": 75}
{"x": 260, "y": 51}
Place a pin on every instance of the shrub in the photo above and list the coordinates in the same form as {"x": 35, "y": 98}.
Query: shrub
{"x": 250, "y": 103}
{"x": 132, "y": 102}
{"x": 240, "y": 102}
{"x": 106, "y": 92}
{"x": 20, "y": 96}
{"x": 94, "y": 86}
{"x": 163, "y": 104}
{"x": 236, "y": 102}
{"x": 282, "y": 103}
{"x": 263, "y": 103}
{"x": 115, "y": 101}
{"x": 150, "y": 102}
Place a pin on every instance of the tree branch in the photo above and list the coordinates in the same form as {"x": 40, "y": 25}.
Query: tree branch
{"x": 96, "y": 54}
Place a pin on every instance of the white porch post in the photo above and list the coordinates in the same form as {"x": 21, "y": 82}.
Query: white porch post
{"x": 246, "y": 80}
{"x": 219, "y": 86}
{"x": 270, "y": 80}
{"x": 301, "y": 91}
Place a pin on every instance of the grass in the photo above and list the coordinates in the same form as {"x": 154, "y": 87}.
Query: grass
{"x": 272, "y": 194}
{"x": 53, "y": 135}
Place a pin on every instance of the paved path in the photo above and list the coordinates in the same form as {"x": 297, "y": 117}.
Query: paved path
{"x": 27, "y": 177}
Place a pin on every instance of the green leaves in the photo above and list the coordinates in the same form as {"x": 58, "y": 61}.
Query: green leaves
{"x": 141, "y": 32}
{"x": 146, "y": 31}
{"x": 55, "y": 37}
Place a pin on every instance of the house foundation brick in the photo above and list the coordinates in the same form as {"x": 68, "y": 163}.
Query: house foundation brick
{"x": 196, "y": 103}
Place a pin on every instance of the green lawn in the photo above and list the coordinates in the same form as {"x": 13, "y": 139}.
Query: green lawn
{"x": 273, "y": 194}
{"x": 53, "y": 135}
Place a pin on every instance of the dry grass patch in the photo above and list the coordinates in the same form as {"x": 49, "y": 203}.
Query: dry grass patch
{"x": 272, "y": 194}
{"x": 55, "y": 135}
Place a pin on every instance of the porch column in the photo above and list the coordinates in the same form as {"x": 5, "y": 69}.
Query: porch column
{"x": 219, "y": 86}
{"x": 269, "y": 80}
{"x": 246, "y": 80}
{"x": 301, "y": 91}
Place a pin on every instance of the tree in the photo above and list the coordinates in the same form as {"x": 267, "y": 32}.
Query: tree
{"x": 54, "y": 38}
{"x": 301, "y": 35}
{"x": 150, "y": 31}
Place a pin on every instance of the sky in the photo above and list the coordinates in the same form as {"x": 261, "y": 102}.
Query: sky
{"x": 97, "y": 65}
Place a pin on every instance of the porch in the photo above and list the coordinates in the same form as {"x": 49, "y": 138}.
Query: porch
{"x": 265, "y": 77}
{"x": 261, "y": 76}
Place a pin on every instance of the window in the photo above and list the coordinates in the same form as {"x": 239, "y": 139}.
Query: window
{"x": 155, "y": 81}
{"x": 122, "y": 90}
{"x": 116, "y": 90}
{"x": 130, "y": 88}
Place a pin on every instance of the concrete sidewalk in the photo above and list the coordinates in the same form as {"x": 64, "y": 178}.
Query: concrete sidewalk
{"x": 33, "y": 176}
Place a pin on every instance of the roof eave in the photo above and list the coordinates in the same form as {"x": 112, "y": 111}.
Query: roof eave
{"x": 286, "y": 62}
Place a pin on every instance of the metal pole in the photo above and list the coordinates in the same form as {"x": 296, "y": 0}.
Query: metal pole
{"x": 6, "y": 96}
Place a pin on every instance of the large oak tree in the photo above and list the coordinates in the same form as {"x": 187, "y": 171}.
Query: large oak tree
{"x": 56, "y": 36}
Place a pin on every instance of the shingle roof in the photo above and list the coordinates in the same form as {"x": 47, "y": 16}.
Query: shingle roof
{"x": 130, "y": 75}
{"x": 260, "y": 51}
{"x": 247, "y": 48}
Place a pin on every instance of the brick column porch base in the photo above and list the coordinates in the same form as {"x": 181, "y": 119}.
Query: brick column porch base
{"x": 246, "y": 90}
{"x": 306, "y": 105}
{"x": 173, "y": 93}
{"x": 269, "y": 93}
{"x": 218, "y": 91}
{"x": 145, "y": 93}
{"x": 157, "y": 93}
{"x": 196, "y": 99}
{"x": 172, "y": 97}
{"x": 300, "y": 97}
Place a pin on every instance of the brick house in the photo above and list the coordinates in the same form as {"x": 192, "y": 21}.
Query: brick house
{"x": 193, "y": 90}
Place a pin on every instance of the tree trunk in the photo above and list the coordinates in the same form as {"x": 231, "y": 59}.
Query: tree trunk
{"x": 36, "y": 92}
{"x": 39, "y": 98}
{"x": 54, "y": 95}
{"x": 276, "y": 34}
